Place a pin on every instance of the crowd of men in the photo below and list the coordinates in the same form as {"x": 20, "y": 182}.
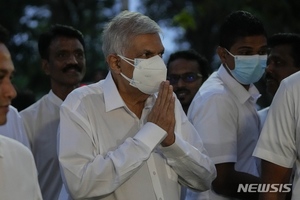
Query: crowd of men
{"x": 150, "y": 130}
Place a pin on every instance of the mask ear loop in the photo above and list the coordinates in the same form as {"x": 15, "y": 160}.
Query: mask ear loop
{"x": 225, "y": 64}
{"x": 126, "y": 60}
{"x": 229, "y": 53}
{"x": 132, "y": 82}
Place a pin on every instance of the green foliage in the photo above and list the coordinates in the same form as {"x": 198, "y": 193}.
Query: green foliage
{"x": 26, "y": 20}
{"x": 201, "y": 20}
{"x": 185, "y": 20}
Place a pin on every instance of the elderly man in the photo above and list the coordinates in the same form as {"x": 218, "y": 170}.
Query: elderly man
{"x": 119, "y": 138}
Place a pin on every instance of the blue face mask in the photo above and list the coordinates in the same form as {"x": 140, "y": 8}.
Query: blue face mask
{"x": 248, "y": 69}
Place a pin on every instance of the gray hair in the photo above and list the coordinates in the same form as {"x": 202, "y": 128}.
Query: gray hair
{"x": 118, "y": 33}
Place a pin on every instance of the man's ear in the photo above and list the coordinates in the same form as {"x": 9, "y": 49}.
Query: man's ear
{"x": 222, "y": 54}
{"x": 226, "y": 58}
{"x": 45, "y": 66}
{"x": 114, "y": 63}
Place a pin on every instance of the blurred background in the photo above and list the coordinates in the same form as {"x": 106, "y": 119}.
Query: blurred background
{"x": 185, "y": 23}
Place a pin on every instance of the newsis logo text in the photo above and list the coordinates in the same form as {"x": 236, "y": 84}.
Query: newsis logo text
{"x": 262, "y": 187}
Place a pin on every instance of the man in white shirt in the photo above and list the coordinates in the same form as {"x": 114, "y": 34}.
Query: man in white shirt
{"x": 119, "y": 138}
{"x": 279, "y": 142}
{"x": 18, "y": 175}
{"x": 62, "y": 50}
{"x": 283, "y": 60}
{"x": 187, "y": 70}
{"x": 223, "y": 111}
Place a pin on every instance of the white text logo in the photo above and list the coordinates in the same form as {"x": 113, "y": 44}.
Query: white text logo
{"x": 255, "y": 187}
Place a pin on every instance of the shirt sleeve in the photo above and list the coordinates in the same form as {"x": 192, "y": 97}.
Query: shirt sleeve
{"x": 87, "y": 173}
{"x": 215, "y": 118}
{"x": 22, "y": 137}
{"x": 14, "y": 128}
{"x": 188, "y": 157}
{"x": 277, "y": 142}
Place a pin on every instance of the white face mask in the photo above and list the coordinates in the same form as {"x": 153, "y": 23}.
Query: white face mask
{"x": 147, "y": 73}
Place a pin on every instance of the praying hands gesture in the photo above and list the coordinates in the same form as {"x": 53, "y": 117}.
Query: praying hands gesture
{"x": 163, "y": 114}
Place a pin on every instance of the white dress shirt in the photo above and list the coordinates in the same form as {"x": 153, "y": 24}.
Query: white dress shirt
{"x": 263, "y": 113}
{"x": 14, "y": 127}
{"x": 224, "y": 114}
{"x": 41, "y": 121}
{"x": 107, "y": 152}
{"x": 279, "y": 142}
{"x": 18, "y": 175}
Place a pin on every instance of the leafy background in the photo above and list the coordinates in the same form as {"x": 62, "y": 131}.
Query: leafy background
{"x": 199, "y": 21}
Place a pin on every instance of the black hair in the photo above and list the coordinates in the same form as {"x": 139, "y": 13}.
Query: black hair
{"x": 239, "y": 24}
{"x": 192, "y": 55}
{"x": 57, "y": 30}
{"x": 3, "y": 35}
{"x": 291, "y": 39}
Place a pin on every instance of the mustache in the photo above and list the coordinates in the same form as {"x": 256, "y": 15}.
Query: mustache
{"x": 268, "y": 76}
{"x": 72, "y": 66}
{"x": 182, "y": 90}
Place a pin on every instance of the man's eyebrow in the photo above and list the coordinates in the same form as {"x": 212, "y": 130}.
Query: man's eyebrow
{"x": 5, "y": 71}
{"x": 152, "y": 52}
{"x": 245, "y": 47}
{"x": 248, "y": 47}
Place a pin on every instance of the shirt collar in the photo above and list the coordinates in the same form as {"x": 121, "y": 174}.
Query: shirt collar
{"x": 54, "y": 99}
{"x": 112, "y": 97}
{"x": 111, "y": 94}
{"x": 237, "y": 89}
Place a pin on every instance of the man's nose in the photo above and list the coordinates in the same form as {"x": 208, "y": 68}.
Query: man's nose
{"x": 269, "y": 68}
{"x": 9, "y": 90}
{"x": 180, "y": 82}
{"x": 72, "y": 59}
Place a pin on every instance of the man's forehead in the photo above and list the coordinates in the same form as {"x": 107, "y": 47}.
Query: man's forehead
{"x": 4, "y": 51}
{"x": 4, "y": 54}
{"x": 251, "y": 41}
{"x": 147, "y": 41}
{"x": 60, "y": 41}
{"x": 6, "y": 64}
